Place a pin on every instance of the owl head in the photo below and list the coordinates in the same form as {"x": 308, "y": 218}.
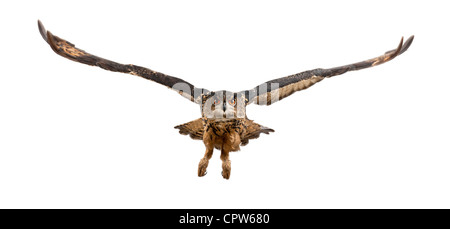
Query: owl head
{"x": 223, "y": 105}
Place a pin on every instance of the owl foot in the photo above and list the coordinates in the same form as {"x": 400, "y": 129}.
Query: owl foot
{"x": 202, "y": 167}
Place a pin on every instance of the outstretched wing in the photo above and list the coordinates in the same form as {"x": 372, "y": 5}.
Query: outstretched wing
{"x": 69, "y": 51}
{"x": 275, "y": 90}
{"x": 194, "y": 129}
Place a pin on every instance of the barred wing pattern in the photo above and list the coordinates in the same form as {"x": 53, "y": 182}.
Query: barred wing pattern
{"x": 275, "y": 90}
{"x": 69, "y": 51}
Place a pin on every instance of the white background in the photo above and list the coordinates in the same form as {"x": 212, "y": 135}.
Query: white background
{"x": 76, "y": 136}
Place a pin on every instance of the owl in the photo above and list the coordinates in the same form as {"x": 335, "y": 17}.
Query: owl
{"x": 223, "y": 124}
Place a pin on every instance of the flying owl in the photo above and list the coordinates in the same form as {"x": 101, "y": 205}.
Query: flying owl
{"x": 224, "y": 124}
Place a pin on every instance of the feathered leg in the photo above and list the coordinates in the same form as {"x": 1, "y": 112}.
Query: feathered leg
{"x": 205, "y": 160}
{"x": 226, "y": 163}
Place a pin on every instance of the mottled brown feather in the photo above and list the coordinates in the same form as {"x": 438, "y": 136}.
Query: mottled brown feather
{"x": 69, "y": 51}
{"x": 251, "y": 130}
{"x": 194, "y": 129}
{"x": 277, "y": 89}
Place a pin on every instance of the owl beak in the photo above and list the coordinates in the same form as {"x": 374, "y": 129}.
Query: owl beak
{"x": 224, "y": 106}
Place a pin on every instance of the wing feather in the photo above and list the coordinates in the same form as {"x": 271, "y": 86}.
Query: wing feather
{"x": 193, "y": 128}
{"x": 277, "y": 89}
{"x": 252, "y": 131}
{"x": 69, "y": 51}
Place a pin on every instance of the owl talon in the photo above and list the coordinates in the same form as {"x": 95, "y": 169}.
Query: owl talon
{"x": 202, "y": 167}
{"x": 226, "y": 174}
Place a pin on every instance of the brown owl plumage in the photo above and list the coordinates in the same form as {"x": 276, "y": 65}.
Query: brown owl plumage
{"x": 224, "y": 124}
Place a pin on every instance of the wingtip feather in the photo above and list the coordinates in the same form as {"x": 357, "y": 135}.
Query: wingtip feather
{"x": 407, "y": 43}
{"x": 399, "y": 48}
{"x": 42, "y": 30}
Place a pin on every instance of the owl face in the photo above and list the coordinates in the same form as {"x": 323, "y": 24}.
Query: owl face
{"x": 223, "y": 105}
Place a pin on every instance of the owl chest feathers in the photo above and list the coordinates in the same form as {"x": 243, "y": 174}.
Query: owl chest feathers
{"x": 224, "y": 133}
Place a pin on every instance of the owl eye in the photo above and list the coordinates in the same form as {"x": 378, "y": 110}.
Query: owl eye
{"x": 216, "y": 102}
{"x": 232, "y": 102}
